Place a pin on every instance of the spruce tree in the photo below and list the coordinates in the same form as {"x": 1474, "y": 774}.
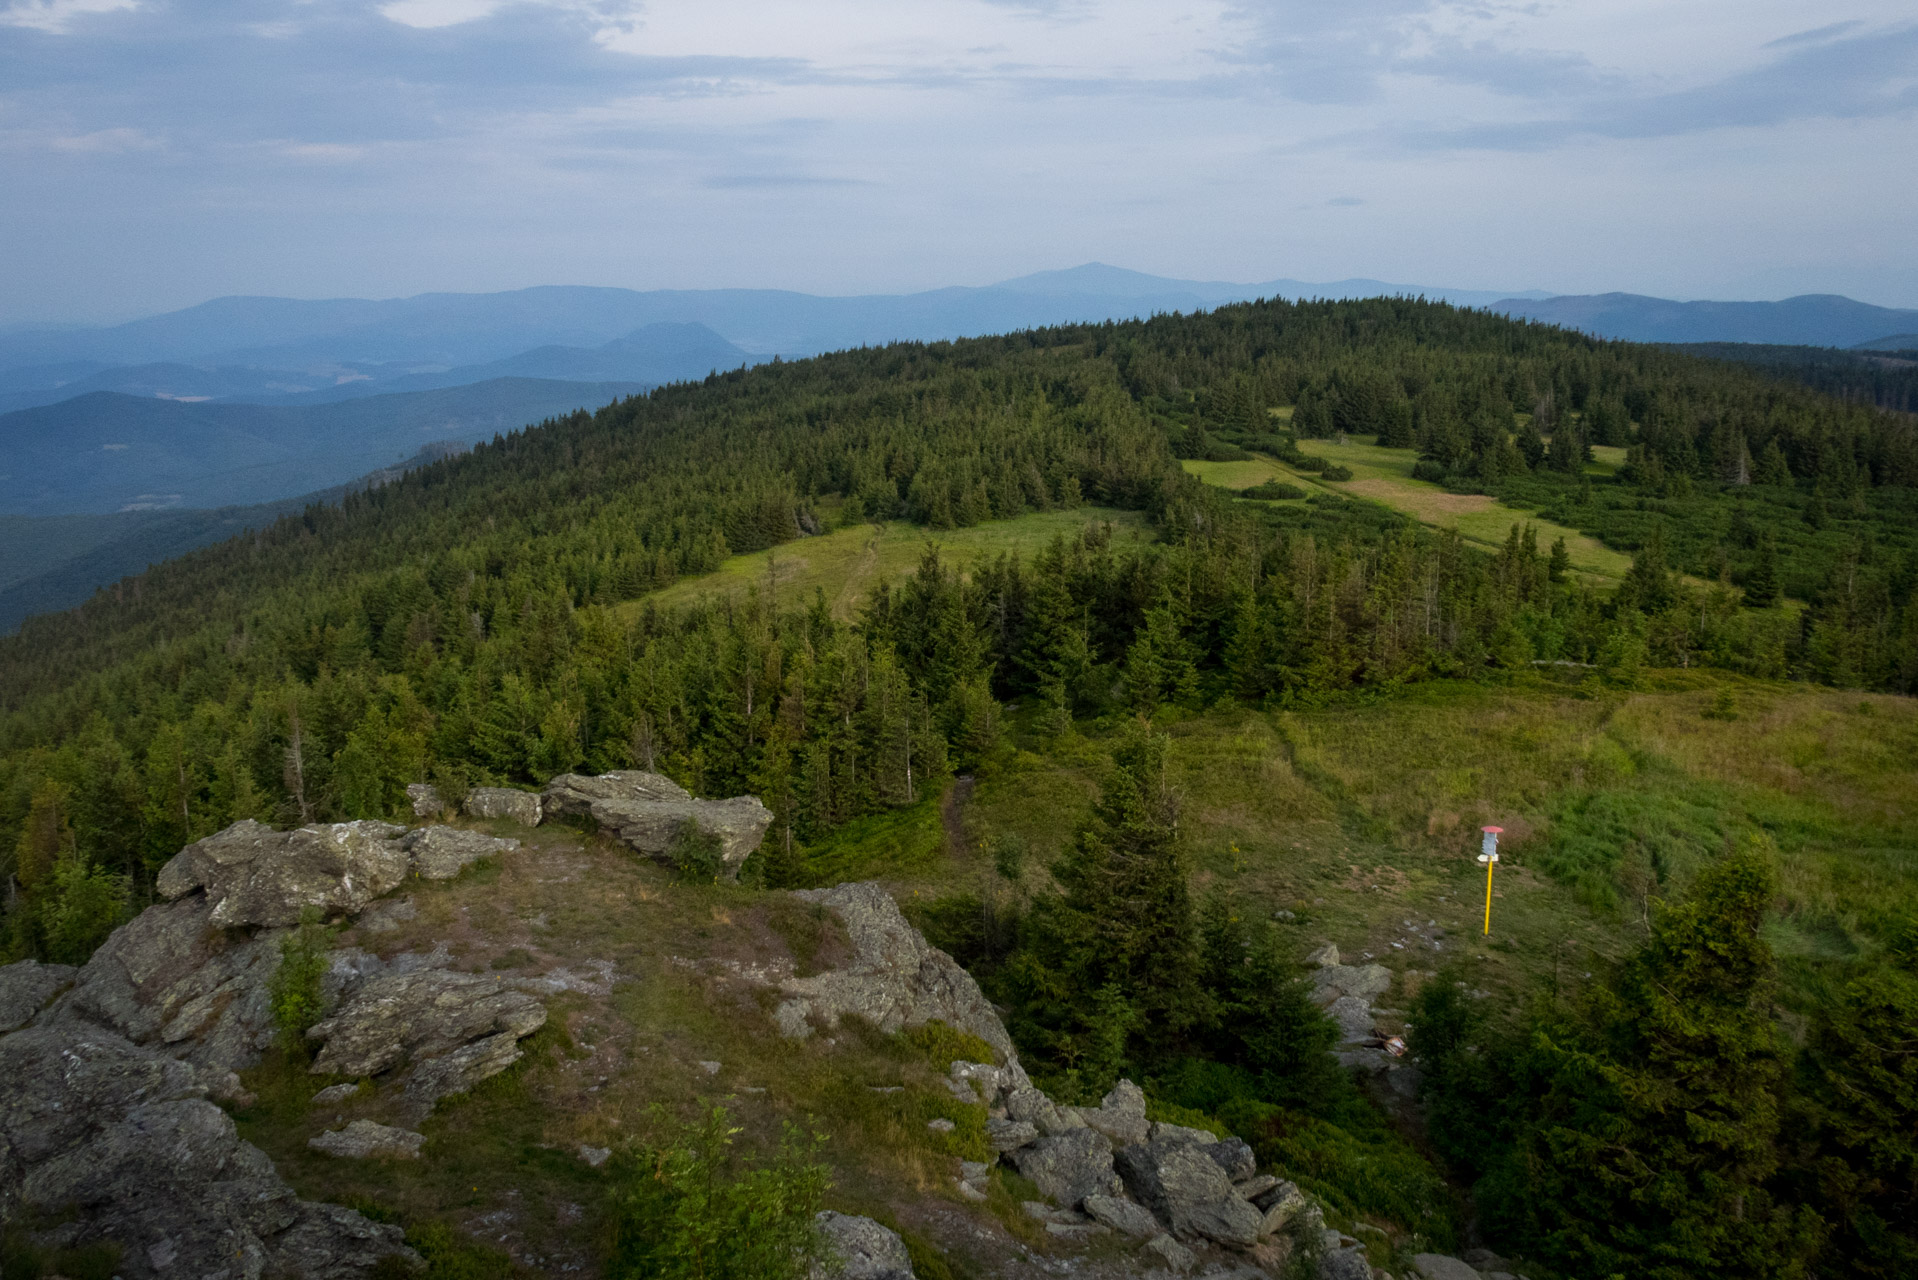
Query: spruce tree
{"x": 1772, "y": 468}
{"x": 1655, "y": 1129}
{"x": 1126, "y": 920}
{"x": 1861, "y": 1107}
{"x": 1761, "y": 585}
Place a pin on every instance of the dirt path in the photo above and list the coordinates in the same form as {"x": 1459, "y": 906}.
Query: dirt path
{"x": 952, "y": 814}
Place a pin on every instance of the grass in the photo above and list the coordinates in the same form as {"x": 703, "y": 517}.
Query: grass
{"x": 1361, "y": 820}
{"x": 1385, "y": 476}
{"x": 849, "y": 564}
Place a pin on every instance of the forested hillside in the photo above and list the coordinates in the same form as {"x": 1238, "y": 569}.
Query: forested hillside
{"x": 458, "y": 620}
{"x": 486, "y": 619}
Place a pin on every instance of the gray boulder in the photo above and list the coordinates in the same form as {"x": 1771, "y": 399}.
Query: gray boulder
{"x": 1343, "y": 1259}
{"x": 455, "y": 1028}
{"x": 425, "y": 800}
{"x": 894, "y": 980}
{"x": 860, "y": 1249}
{"x": 441, "y": 853}
{"x": 1176, "y": 1257}
{"x": 1010, "y": 1135}
{"x": 254, "y": 875}
{"x": 1354, "y": 1019}
{"x": 1120, "y": 1115}
{"x": 120, "y": 1142}
{"x": 1280, "y": 1205}
{"x": 1069, "y": 1166}
{"x": 646, "y": 812}
{"x": 1362, "y": 982}
{"x": 573, "y": 795}
{"x": 1439, "y": 1266}
{"x": 26, "y": 987}
{"x": 169, "y": 977}
{"x": 522, "y": 807}
{"x": 1026, "y": 1103}
{"x": 1122, "y": 1216}
{"x": 1188, "y": 1191}
{"x": 1234, "y": 1157}
{"x": 365, "y": 1140}
{"x": 1161, "y": 1131}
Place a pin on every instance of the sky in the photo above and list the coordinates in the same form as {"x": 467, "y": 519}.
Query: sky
{"x": 155, "y": 153}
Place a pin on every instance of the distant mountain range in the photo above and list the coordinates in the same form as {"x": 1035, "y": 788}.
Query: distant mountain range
{"x": 450, "y": 330}
{"x": 245, "y": 401}
{"x": 648, "y": 356}
{"x": 109, "y": 452}
{"x": 1813, "y": 320}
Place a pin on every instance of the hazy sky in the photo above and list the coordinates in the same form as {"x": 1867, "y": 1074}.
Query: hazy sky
{"x": 154, "y": 153}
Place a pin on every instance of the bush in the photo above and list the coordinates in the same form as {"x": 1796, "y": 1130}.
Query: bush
{"x": 1427, "y": 469}
{"x": 1272, "y": 491}
{"x": 1336, "y": 473}
{"x": 692, "y": 1211}
{"x": 295, "y": 986}
{"x": 697, "y": 853}
{"x": 88, "y": 903}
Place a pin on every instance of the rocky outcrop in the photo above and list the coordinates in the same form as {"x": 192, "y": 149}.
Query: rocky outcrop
{"x": 1180, "y": 1182}
{"x": 1439, "y": 1266}
{"x": 646, "y": 811}
{"x": 26, "y": 987}
{"x": 522, "y": 807}
{"x": 1106, "y": 1169}
{"x": 1120, "y": 1115}
{"x": 860, "y": 1249}
{"x": 1122, "y": 1215}
{"x": 895, "y": 979}
{"x": 1068, "y": 1167}
{"x": 1343, "y": 1258}
{"x": 254, "y": 875}
{"x": 172, "y": 979}
{"x": 365, "y": 1140}
{"x": 441, "y": 853}
{"x": 454, "y": 1029}
{"x": 425, "y": 800}
{"x": 103, "y": 1140}
{"x": 1346, "y": 993}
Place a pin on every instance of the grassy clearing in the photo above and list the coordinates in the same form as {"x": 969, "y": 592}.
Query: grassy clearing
{"x": 849, "y": 564}
{"x": 1385, "y": 476}
{"x": 1362, "y": 820}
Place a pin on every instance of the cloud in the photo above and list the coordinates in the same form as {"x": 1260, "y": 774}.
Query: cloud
{"x": 552, "y": 137}
{"x": 1871, "y": 74}
{"x": 750, "y": 181}
{"x": 57, "y": 17}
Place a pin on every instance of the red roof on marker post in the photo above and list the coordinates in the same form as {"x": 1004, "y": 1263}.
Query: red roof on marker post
{"x": 1497, "y": 831}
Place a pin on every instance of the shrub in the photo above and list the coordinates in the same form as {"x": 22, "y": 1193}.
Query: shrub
{"x": 1336, "y": 473}
{"x": 1427, "y": 469}
{"x": 295, "y": 986}
{"x": 1272, "y": 491}
{"x": 690, "y": 1210}
{"x": 88, "y": 903}
{"x": 697, "y": 853}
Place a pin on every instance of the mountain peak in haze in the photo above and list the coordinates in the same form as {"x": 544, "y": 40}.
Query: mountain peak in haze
{"x": 1100, "y": 280}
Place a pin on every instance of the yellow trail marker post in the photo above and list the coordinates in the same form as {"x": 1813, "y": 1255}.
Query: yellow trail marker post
{"x": 1488, "y": 854}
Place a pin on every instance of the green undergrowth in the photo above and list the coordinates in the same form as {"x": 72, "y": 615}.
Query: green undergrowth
{"x": 897, "y": 842}
{"x": 21, "y": 1257}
